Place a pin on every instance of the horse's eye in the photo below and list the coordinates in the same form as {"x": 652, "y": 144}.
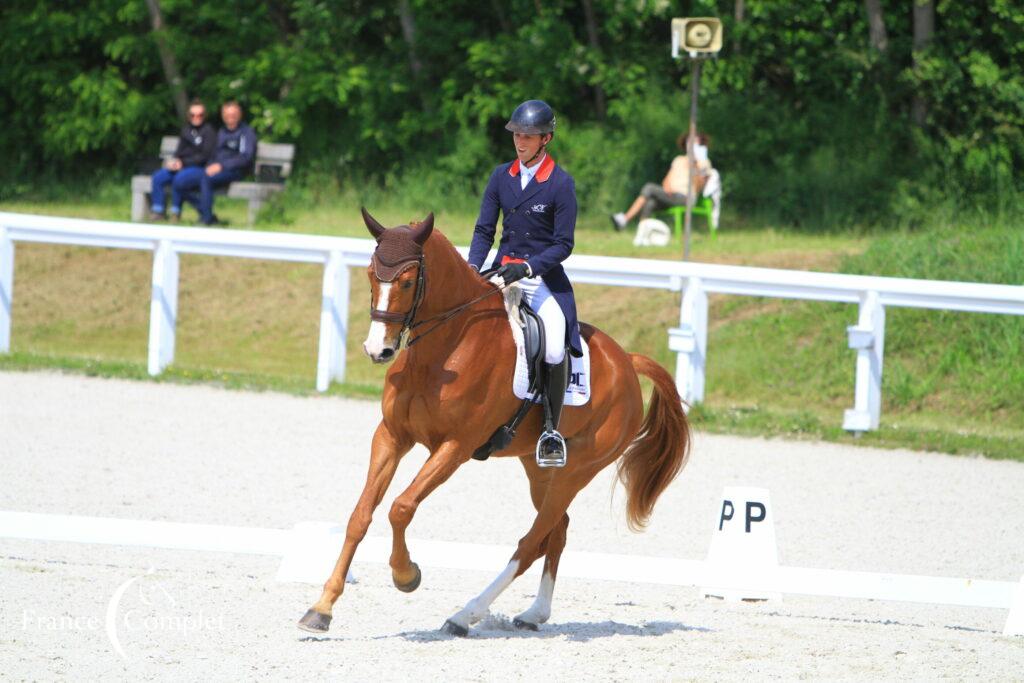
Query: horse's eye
{"x": 407, "y": 284}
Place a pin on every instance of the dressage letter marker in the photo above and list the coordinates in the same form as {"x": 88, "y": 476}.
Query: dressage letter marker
{"x": 743, "y": 550}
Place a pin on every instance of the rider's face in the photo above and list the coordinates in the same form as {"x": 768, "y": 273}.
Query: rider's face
{"x": 528, "y": 145}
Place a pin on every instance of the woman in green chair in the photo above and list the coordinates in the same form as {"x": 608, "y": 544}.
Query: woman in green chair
{"x": 674, "y": 186}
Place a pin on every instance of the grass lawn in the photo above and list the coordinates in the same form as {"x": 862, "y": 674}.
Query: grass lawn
{"x": 775, "y": 367}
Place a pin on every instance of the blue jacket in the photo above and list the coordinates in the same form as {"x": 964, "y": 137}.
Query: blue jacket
{"x": 538, "y": 225}
{"x": 236, "y": 149}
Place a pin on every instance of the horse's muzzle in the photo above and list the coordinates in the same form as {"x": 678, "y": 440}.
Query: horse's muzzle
{"x": 385, "y": 355}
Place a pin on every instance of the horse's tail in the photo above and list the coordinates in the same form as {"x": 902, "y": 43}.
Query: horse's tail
{"x": 660, "y": 449}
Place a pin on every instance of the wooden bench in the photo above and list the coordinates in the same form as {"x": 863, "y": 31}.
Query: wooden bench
{"x": 273, "y": 166}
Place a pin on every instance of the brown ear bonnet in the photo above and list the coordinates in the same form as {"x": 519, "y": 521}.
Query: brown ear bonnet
{"x": 398, "y": 248}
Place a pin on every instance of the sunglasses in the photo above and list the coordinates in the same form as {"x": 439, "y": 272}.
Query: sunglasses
{"x": 196, "y": 115}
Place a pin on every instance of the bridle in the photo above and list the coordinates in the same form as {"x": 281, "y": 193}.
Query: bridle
{"x": 406, "y": 319}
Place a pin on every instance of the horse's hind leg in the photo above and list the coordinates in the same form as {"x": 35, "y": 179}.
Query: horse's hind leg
{"x": 540, "y": 610}
{"x": 556, "y": 501}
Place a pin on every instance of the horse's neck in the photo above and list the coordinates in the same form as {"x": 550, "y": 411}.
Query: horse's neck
{"x": 450, "y": 280}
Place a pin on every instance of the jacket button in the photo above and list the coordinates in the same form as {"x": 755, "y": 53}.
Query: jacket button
{"x": 512, "y": 211}
{"x": 527, "y": 234}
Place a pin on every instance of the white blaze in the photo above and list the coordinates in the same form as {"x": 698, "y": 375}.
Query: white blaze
{"x": 374, "y": 343}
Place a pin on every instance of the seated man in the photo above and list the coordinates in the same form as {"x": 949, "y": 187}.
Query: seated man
{"x": 233, "y": 159}
{"x": 195, "y": 148}
{"x": 674, "y": 186}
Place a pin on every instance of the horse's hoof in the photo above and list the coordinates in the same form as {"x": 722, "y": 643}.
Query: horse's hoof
{"x": 524, "y": 625}
{"x": 314, "y": 622}
{"x": 412, "y": 585}
{"x": 453, "y": 629}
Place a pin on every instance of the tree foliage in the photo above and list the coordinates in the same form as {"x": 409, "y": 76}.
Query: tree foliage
{"x": 808, "y": 120}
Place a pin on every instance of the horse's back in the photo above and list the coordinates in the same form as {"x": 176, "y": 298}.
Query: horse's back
{"x": 612, "y": 376}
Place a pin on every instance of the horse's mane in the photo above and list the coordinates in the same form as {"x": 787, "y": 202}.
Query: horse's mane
{"x": 440, "y": 250}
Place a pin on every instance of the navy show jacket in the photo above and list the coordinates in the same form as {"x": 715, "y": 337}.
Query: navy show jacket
{"x": 538, "y": 226}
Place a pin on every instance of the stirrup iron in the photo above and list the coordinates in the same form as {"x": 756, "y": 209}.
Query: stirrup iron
{"x": 551, "y": 449}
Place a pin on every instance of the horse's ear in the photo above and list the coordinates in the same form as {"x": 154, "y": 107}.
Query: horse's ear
{"x": 422, "y": 231}
{"x": 375, "y": 228}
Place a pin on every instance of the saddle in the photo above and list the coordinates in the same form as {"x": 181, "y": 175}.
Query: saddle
{"x": 534, "y": 343}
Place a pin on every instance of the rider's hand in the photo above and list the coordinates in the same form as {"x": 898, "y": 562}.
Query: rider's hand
{"x": 511, "y": 272}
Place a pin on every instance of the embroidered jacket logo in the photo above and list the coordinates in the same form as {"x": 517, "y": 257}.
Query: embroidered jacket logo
{"x": 539, "y": 208}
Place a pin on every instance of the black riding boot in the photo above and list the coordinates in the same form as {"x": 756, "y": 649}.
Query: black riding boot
{"x": 551, "y": 448}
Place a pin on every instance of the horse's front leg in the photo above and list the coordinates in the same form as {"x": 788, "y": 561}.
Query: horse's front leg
{"x": 386, "y": 451}
{"x": 441, "y": 464}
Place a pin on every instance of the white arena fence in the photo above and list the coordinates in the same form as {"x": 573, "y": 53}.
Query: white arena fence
{"x": 308, "y": 552}
{"x": 338, "y": 254}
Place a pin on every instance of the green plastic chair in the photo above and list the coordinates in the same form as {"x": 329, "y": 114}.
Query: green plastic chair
{"x": 701, "y": 208}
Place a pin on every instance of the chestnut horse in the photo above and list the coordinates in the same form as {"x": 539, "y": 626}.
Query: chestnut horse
{"x": 453, "y": 390}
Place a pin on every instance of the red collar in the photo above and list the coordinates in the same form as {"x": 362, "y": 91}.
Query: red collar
{"x": 543, "y": 173}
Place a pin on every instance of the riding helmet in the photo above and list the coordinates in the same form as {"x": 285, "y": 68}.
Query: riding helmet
{"x": 532, "y": 117}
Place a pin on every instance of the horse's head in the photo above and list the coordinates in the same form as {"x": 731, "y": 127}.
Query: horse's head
{"x": 397, "y": 282}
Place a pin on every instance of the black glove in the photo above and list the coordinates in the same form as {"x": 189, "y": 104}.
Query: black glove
{"x": 511, "y": 272}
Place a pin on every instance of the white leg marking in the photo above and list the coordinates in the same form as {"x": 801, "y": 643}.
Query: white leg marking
{"x": 540, "y": 610}
{"x": 374, "y": 343}
{"x": 476, "y": 609}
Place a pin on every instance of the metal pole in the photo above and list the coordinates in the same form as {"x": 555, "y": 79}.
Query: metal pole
{"x": 690, "y": 199}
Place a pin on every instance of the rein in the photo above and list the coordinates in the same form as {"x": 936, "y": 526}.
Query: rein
{"x": 406, "y": 319}
{"x": 442, "y": 318}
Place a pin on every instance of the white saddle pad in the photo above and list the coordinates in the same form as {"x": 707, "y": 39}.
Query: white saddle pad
{"x": 578, "y": 392}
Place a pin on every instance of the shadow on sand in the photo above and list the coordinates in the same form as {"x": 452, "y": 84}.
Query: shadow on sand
{"x": 497, "y": 626}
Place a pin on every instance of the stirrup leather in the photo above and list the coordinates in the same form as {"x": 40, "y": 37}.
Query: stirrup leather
{"x": 551, "y": 449}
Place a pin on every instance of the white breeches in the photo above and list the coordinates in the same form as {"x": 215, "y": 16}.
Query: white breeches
{"x": 543, "y": 303}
